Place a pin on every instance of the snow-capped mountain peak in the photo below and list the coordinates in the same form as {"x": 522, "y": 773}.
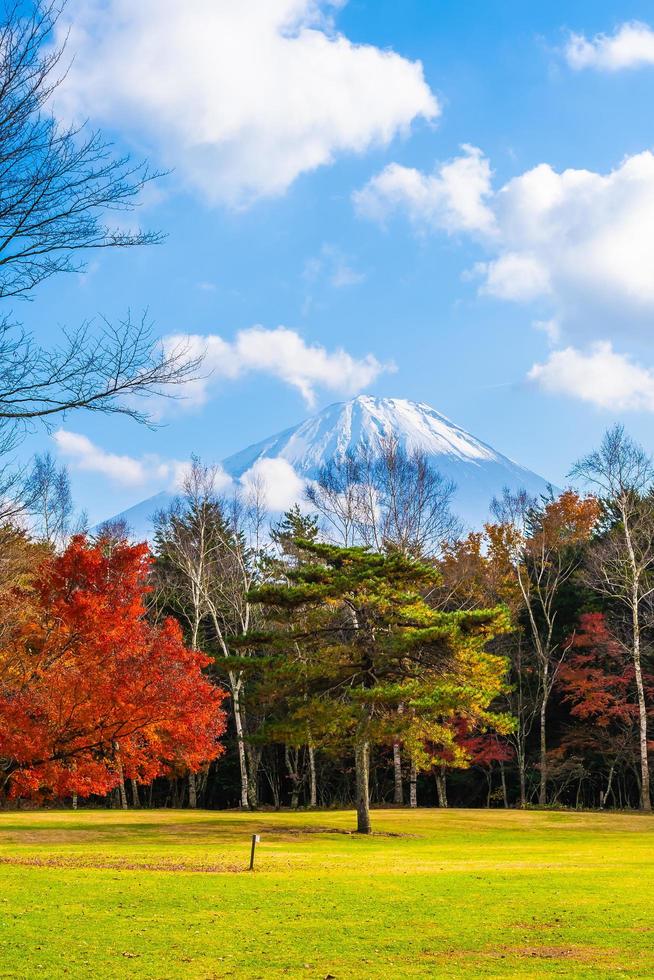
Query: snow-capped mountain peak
{"x": 364, "y": 421}
{"x": 479, "y": 471}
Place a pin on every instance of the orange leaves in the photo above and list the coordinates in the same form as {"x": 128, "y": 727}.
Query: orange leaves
{"x": 565, "y": 521}
{"x": 98, "y": 686}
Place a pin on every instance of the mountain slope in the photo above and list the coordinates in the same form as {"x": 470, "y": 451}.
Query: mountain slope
{"x": 479, "y": 471}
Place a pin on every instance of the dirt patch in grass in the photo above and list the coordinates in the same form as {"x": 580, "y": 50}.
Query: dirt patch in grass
{"x": 577, "y": 954}
{"x": 550, "y": 952}
{"x": 580, "y": 954}
{"x": 277, "y": 831}
{"x": 109, "y": 864}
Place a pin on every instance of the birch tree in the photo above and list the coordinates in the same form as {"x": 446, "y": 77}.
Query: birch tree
{"x": 544, "y": 549}
{"x": 206, "y": 569}
{"x": 621, "y": 563}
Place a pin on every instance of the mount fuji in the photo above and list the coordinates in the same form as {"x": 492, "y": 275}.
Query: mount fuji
{"x": 478, "y": 470}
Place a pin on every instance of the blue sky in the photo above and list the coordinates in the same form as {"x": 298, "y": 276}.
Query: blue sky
{"x": 308, "y": 192}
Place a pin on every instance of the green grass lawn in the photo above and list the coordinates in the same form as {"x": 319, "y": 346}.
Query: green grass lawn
{"x": 459, "y": 893}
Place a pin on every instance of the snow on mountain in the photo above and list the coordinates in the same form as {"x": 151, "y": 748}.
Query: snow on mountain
{"x": 478, "y": 470}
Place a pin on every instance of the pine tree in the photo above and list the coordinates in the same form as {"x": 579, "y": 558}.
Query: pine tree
{"x": 371, "y": 641}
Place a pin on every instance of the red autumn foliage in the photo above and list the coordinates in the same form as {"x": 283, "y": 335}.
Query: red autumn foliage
{"x": 470, "y": 747}
{"x": 598, "y": 683}
{"x": 485, "y": 749}
{"x": 89, "y": 685}
{"x": 598, "y": 677}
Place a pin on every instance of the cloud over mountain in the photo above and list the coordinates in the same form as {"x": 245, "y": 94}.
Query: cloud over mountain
{"x": 280, "y": 353}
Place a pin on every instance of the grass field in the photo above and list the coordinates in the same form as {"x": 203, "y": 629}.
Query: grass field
{"x": 165, "y": 894}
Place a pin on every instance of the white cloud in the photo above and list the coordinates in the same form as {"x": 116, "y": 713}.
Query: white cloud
{"x": 239, "y": 96}
{"x": 452, "y": 198}
{"x": 126, "y": 470}
{"x": 630, "y": 46}
{"x": 333, "y": 266}
{"x": 551, "y": 329}
{"x": 515, "y": 276}
{"x": 277, "y": 481}
{"x": 274, "y": 481}
{"x": 280, "y": 353}
{"x": 601, "y": 376}
{"x": 591, "y": 236}
{"x": 578, "y": 243}
{"x": 582, "y": 242}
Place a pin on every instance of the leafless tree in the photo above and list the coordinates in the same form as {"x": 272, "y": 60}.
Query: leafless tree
{"x": 339, "y": 498}
{"x": 621, "y": 564}
{"x": 48, "y": 500}
{"x": 57, "y": 186}
{"x": 206, "y": 567}
{"x": 386, "y": 497}
{"x": 56, "y": 183}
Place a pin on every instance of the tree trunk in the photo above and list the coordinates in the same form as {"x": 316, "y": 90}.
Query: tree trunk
{"x": 645, "y": 798}
{"x": 542, "y": 793}
{"x": 398, "y": 794}
{"x": 121, "y": 789}
{"x": 362, "y": 767}
{"x": 192, "y": 792}
{"x": 235, "y": 685}
{"x": 608, "y": 790}
{"x": 136, "y": 802}
{"x": 253, "y": 756}
{"x": 523, "y": 780}
{"x": 441, "y": 788}
{"x": 74, "y": 801}
{"x": 292, "y": 759}
{"x": 505, "y": 795}
{"x": 413, "y": 788}
{"x": 122, "y": 795}
{"x": 313, "y": 788}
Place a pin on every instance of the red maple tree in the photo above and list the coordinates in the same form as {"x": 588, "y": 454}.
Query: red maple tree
{"x": 91, "y": 691}
{"x": 598, "y": 684}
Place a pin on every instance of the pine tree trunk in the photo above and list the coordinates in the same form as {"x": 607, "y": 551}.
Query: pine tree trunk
{"x": 136, "y": 802}
{"x": 362, "y": 767}
{"x": 192, "y": 792}
{"x": 313, "y": 787}
{"x": 398, "y": 794}
{"x": 413, "y": 786}
{"x": 645, "y": 798}
{"x": 542, "y": 793}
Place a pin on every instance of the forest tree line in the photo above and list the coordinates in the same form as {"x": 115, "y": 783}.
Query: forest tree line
{"x": 363, "y": 638}
{"x": 363, "y": 648}
{"x": 509, "y": 666}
